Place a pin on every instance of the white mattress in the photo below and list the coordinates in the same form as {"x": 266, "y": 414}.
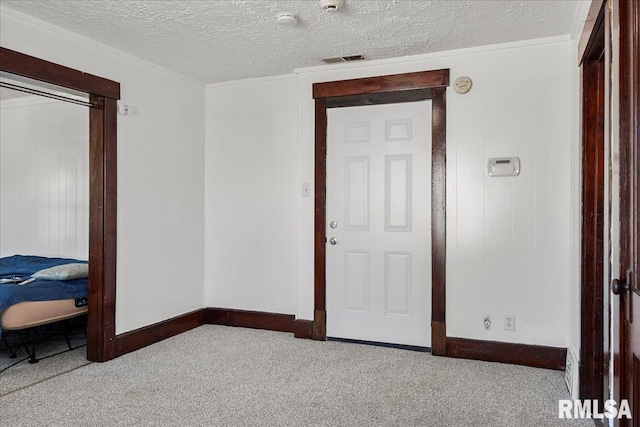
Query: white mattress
{"x": 28, "y": 314}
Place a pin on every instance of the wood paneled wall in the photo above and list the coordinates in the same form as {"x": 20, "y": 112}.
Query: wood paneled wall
{"x": 44, "y": 178}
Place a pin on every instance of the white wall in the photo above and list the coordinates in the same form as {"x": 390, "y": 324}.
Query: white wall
{"x": 160, "y": 171}
{"x": 508, "y": 239}
{"x": 44, "y": 178}
{"x": 576, "y": 219}
{"x": 251, "y": 195}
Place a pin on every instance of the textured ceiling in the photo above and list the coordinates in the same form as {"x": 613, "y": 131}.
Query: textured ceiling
{"x": 214, "y": 41}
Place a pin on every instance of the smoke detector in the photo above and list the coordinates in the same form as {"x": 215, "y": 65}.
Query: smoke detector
{"x": 331, "y": 6}
{"x": 287, "y": 19}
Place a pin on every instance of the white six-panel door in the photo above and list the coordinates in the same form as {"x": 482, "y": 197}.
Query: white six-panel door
{"x": 379, "y": 201}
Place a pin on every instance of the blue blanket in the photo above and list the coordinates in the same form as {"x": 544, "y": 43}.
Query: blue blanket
{"x": 40, "y": 290}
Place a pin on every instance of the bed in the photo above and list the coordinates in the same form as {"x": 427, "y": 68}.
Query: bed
{"x": 40, "y": 290}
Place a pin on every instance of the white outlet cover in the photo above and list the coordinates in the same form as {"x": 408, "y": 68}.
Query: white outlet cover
{"x": 509, "y": 322}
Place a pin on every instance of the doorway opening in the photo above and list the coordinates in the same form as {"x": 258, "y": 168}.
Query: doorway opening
{"x": 103, "y": 95}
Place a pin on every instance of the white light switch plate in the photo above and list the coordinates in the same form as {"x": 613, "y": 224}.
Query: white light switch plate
{"x": 306, "y": 189}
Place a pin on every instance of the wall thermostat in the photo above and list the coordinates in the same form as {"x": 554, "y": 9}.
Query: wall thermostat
{"x": 504, "y": 166}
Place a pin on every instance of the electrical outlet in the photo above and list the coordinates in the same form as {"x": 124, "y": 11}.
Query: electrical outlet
{"x": 487, "y": 322}
{"x": 509, "y": 322}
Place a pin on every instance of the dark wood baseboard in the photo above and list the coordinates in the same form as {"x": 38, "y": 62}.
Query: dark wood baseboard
{"x": 249, "y": 319}
{"x": 490, "y": 351}
{"x": 303, "y": 329}
{"x": 518, "y": 354}
{"x": 139, "y": 338}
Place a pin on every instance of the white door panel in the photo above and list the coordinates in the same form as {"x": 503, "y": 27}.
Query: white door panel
{"x": 379, "y": 195}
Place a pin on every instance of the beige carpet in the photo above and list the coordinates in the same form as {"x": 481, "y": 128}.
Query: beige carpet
{"x": 223, "y": 376}
{"x": 55, "y": 359}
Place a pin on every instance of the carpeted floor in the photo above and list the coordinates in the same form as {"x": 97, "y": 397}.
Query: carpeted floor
{"x": 222, "y": 376}
{"x": 54, "y": 357}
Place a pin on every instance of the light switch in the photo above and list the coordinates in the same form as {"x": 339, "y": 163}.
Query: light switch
{"x": 306, "y": 189}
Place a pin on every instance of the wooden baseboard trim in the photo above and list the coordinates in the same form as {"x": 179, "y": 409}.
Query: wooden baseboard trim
{"x": 249, "y": 319}
{"x": 517, "y": 354}
{"x": 139, "y": 338}
{"x": 303, "y": 329}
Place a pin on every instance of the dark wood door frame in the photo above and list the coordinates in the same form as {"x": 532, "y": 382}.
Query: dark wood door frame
{"x": 385, "y": 90}
{"x": 626, "y": 379}
{"x": 592, "y": 366}
{"x": 103, "y": 95}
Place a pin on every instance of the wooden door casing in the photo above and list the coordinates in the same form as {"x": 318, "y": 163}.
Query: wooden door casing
{"x": 389, "y": 89}
{"x": 629, "y": 291}
{"x": 103, "y": 95}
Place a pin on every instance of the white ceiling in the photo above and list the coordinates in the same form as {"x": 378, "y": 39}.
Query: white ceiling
{"x": 215, "y": 41}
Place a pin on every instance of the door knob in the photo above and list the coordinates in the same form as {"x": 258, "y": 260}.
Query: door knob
{"x": 333, "y": 240}
{"x": 619, "y": 286}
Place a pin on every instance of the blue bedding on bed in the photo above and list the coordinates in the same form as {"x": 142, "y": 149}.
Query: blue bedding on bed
{"x": 24, "y": 266}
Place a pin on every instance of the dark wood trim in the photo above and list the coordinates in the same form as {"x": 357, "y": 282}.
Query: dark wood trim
{"x": 385, "y": 90}
{"x": 303, "y": 328}
{"x": 591, "y": 43}
{"x": 438, "y": 338}
{"x": 249, "y": 319}
{"x": 320, "y": 215}
{"x": 381, "y": 84}
{"x": 103, "y": 94}
{"x": 591, "y": 368}
{"x": 626, "y": 384}
{"x": 45, "y": 71}
{"x": 536, "y": 356}
{"x": 95, "y": 318}
{"x": 379, "y": 98}
{"x": 438, "y": 220}
{"x": 620, "y": 354}
{"x": 109, "y": 230}
{"x": 135, "y": 340}
{"x": 319, "y": 325}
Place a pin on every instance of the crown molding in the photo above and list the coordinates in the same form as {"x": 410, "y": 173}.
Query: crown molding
{"x": 251, "y": 81}
{"x": 435, "y": 55}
